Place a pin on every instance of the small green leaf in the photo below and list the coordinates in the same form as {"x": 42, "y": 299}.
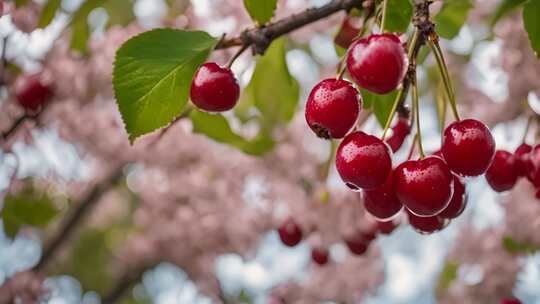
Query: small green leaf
{"x": 272, "y": 89}
{"x": 80, "y": 30}
{"x": 216, "y": 127}
{"x": 451, "y": 17}
{"x": 398, "y": 15}
{"x": 29, "y": 207}
{"x": 517, "y": 247}
{"x": 504, "y": 8}
{"x": 48, "y": 13}
{"x": 448, "y": 275}
{"x": 152, "y": 76}
{"x": 531, "y": 20}
{"x": 261, "y": 11}
{"x": 380, "y": 105}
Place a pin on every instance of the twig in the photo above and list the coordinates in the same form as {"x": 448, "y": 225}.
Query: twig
{"x": 260, "y": 38}
{"x": 123, "y": 284}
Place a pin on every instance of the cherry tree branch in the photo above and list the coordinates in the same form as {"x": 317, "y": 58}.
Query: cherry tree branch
{"x": 259, "y": 39}
{"x": 124, "y": 283}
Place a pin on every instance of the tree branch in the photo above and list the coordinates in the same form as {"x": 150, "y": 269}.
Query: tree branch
{"x": 68, "y": 225}
{"x": 260, "y": 38}
{"x": 125, "y": 282}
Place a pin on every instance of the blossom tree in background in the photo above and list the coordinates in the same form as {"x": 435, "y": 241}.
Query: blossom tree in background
{"x": 192, "y": 141}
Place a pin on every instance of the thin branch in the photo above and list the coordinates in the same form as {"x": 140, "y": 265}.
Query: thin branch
{"x": 123, "y": 284}
{"x": 70, "y": 222}
{"x": 260, "y": 38}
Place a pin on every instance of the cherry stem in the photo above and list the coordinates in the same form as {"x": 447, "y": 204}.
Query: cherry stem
{"x": 441, "y": 107}
{"x": 401, "y": 93}
{"x": 413, "y": 145}
{"x": 325, "y": 167}
{"x": 341, "y": 69}
{"x": 527, "y": 127}
{"x": 236, "y": 55}
{"x": 383, "y": 18}
{"x": 443, "y": 69}
{"x": 416, "y": 106}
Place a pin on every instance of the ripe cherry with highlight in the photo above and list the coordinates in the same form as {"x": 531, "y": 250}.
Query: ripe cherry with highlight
{"x": 290, "y": 233}
{"x": 214, "y": 88}
{"x": 502, "y": 174}
{"x": 426, "y": 225}
{"x": 31, "y": 92}
{"x": 458, "y": 202}
{"x": 320, "y": 255}
{"x": 382, "y": 202}
{"x": 332, "y": 108}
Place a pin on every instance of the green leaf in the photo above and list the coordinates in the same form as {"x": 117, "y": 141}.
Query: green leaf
{"x": 517, "y": 247}
{"x": 152, "y": 76}
{"x": 27, "y": 207}
{"x": 261, "y": 11}
{"x": 448, "y": 275}
{"x": 272, "y": 89}
{"x": 80, "y": 30}
{"x": 216, "y": 127}
{"x": 451, "y": 17}
{"x": 380, "y": 105}
{"x": 398, "y": 15}
{"x": 120, "y": 12}
{"x": 504, "y": 8}
{"x": 48, "y": 13}
{"x": 531, "y": 20}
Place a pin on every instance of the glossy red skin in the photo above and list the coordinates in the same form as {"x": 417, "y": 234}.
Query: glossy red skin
{"x": 502, "y": 175}
{"x": 347, "y": 33}
{"x": 290, "y": 233}
{"x": 332, "y": 108}
{"x": 533, "y": 166}
{"x": 214, "y": 89}
{"x": 319, "y": 255}
{"x": 399, "y": 132}
{"x": 363, "y": 161}
{"x": 386, "y": 227}
{"x": 31, "y": 93}
{"x": 458, "y": 202}
{"x": 377, "y": 63}
{"x": 510, "y": 301}
{"x": 382, "y": 202}
{"x": 521, "y": 156}
{"x": 468, "y": 147}
{"x": 424, "y": 186}
{"x": 426, "y": 225}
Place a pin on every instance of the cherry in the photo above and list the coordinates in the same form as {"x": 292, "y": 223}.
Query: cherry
{"x": 382, "y": 202}
{"x": 332, "y": 108}
{"x": 533, "y": 166}
{"x": 424, "y": 186}
{"x": 31, "y": 92}
{"x": 457, "y": 203}
{"x": 377, "y": 63}
{"x": 320, "y": 255}
{"x": 502, "y": 174}
{"x": 510, "y": 301}
{"x": 399, "y": 132}
{"x": 426, "y": 225}
{"x": 214, "y": 88}
{"x": 363, "y": 161}
{"x": 290, "y": 233}
{"x": 521, "y": 156}
{"x": 358, "y": 243}
{"x": 468, "y": 147}
{"x": 347, "y": 33}
{"x": 386, "y": 227}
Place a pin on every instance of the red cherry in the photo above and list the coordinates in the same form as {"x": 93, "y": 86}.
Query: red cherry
{"x": 358, "y": 243}
{"x": 332, "y": 108}
{"x": 377, "y": 63}
{"x": 468, "y": 147}
{"x": 426, "y": 225}
{"x": 386, "y": 227}
{"x": 214, "y": 88}
{"x": 457, "y": 203}
{"x": 424, "y": 186}
{"x": 290, "y": 233}
{"x": 31, "y": 92}
{"x": 399, "y": 133}
{"x": 537, "y": 194}
{"x": 533, "y": 166}
{"x": 363, "y": 161}
{"x": 347, "y": 33}
{"x": 320, "y": 255}
{"x": 382, "y": 202}
{"x": 521, "y": 156}
{"x": 502, "y": 174}
{"x": 510, "y": 301}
